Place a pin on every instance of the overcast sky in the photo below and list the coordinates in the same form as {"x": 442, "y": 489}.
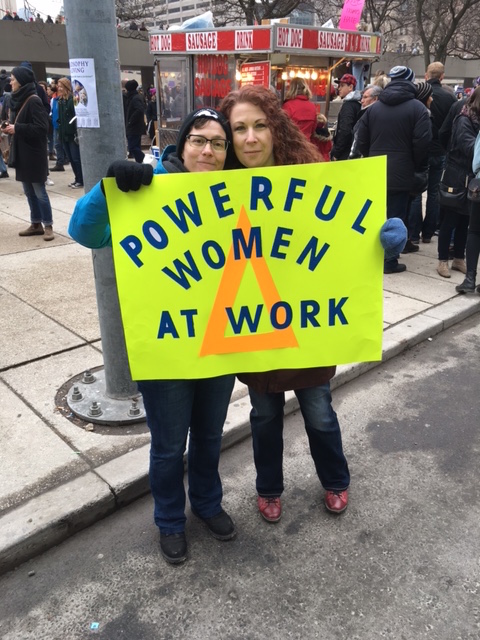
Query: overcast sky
{"x": 44, "y": 7}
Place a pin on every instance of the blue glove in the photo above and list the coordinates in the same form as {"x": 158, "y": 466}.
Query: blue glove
{"x": 393, "y": 236}
{"x": 130, "y": 175}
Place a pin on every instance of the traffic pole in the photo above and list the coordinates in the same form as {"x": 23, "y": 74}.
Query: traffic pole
{"x": 109, "y": 395}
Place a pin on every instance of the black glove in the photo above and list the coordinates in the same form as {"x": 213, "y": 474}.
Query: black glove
{"x": 130, "y": 175}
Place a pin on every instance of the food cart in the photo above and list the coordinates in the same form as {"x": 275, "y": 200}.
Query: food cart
{"x": 199, "y": 67}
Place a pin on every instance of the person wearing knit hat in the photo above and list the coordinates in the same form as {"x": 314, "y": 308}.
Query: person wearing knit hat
{"x": 175, "y": 407}
{"x": 23, "y": 75}
{"x": 424, "y": 93}
{"x": 406, "y": 151}
{"x": 134, "y": 110}
{"x": 402, "y": 73}
{"x": 28, "y": 127}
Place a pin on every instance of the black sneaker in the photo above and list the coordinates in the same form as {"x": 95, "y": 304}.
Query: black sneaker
{"x": 398, "y": 268}
{"x": 221, "y": 526}
{"x": 410, "y": 247}
{"x": 173, "y": 547}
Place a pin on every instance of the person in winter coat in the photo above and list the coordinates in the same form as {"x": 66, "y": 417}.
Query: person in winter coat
{"x": 457, "y": 175}
{"x": 397, "y": 126}
{"x": 29, "y": 127}
{"x": 4, "y": 79}
{"x": 67, "y": 130}
{"x": 134, "y": 120}
{"x": 369, "y": 97}
{"x": 342, "y": 141}
{"x": 442, "y": 101}
{"x": 473, "y": 237}
{"x": 61, "y": 156}
{"x": 264, "y": 136}
{"x": 152, "y": 113}
{"x": 176, "y": 408}
{"x": 420, "y": 183}
{"x": 300, "y": 108}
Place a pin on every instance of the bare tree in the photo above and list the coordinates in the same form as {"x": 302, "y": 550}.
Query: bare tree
{"x": 128, "y": 10}
{"x": 440, "y": 21}
{"x": 251, "y": 11}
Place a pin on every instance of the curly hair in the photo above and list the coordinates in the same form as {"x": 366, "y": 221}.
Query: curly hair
{"x": 290, "y": 146}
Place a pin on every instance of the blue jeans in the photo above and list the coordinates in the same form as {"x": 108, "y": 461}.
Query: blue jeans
{"x": 415, "y": 218}
{"x": 397, "y": 207}
{"x": 59, "y": 150}
{"x": 431, "y": 222}
{"x": 73, "y": 153}
{"x": 323, "y": 433}
{"x": 134, "y": 144}
{"x": 39, "y": 203}
{"x": 174, "y": 407}
{"x": 3, "y": 166}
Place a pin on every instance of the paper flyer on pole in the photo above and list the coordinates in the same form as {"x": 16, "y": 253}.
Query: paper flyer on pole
{"x": 252, "y": 269}
{"x": 82, "y": 72}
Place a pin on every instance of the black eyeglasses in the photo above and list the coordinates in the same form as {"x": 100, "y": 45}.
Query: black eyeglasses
{"x": 199, "y": 142}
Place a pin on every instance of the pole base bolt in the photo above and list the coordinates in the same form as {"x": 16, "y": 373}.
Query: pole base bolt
{"x": 76, "y": 394}
{"x": 88, "y": 377}
{"x": 95, "y": 409}
{"x": 134, "y": 409}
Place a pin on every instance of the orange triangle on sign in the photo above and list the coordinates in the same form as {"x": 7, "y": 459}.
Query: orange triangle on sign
{"x": 214, "y": 340}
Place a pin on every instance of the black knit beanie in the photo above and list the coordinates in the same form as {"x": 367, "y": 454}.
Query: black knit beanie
{"x": 23, "y": 75}
{"x": 189, "y": 121}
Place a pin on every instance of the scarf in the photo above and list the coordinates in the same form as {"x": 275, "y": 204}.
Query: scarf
{"x": 17, "y": 98}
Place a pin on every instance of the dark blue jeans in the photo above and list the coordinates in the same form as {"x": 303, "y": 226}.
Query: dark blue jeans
{"x": 398, "y": 203}
{"x": 173, "y": 408}
{"x": 59, "y": 150}
{"x": 431, "y": 221}
{"x": 323, "y": 433}
{"x": 73, "y": 154}
{"x": 135, "y": 147}
{"x": 39, "y": 203}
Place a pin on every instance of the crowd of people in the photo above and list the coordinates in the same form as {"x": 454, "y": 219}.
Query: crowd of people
{"x": 34, "y": 131}
{"x": 433, "y": 147}
{"x": 429, "y": 150}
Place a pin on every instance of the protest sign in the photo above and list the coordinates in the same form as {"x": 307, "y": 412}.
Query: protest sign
{"x": 252, "y": 269}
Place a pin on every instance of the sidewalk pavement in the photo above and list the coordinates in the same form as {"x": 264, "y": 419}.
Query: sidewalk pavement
{"x": 59, "y": 474}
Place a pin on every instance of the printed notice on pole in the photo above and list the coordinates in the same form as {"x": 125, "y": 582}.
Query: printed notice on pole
{"x": 82, "y": 71}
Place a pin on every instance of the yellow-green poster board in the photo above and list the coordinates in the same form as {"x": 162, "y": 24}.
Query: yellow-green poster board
{"x": 250, "y": 270}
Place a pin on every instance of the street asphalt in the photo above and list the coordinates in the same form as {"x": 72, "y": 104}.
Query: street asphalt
{"x": 59, "y": 474}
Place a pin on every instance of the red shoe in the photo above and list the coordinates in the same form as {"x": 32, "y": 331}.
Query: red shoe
{"x": 270, "y": 508}
{"x": 336, "y": 501}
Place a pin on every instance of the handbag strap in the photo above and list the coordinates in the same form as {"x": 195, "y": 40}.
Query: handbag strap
{"x": 23, "y": 105}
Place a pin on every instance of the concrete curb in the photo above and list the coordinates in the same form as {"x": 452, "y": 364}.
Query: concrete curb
{"x": 50, "y": 518}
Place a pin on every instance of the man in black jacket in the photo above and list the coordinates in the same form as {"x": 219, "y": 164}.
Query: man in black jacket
{"x": 442, "y": 101}
{"x": 397, "y": 126}
{"x": 347, "y": 117}
{"x": 134, "y": 120}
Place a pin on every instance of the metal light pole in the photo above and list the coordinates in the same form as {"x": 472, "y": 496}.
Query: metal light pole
{"x": 105, "y": 396}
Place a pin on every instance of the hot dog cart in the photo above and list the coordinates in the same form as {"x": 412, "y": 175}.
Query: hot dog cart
{"x": 199, "y": 67}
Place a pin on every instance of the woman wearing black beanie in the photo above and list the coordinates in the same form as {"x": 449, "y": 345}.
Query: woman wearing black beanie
{"x": 28, "y": 127}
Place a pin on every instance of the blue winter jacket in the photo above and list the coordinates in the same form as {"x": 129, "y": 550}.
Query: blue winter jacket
{"x": 89, "y": 224}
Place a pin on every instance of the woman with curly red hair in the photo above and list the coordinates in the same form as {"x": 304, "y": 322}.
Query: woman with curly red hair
{"x": 264, "y": 136}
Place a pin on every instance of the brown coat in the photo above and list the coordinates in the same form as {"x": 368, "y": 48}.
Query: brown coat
{"x": 287, "y": 379}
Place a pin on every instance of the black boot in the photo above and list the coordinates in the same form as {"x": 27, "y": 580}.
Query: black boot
{"x": 468, "y": 285}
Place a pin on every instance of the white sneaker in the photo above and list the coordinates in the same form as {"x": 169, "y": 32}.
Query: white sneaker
{"x": 49, "y": 182}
